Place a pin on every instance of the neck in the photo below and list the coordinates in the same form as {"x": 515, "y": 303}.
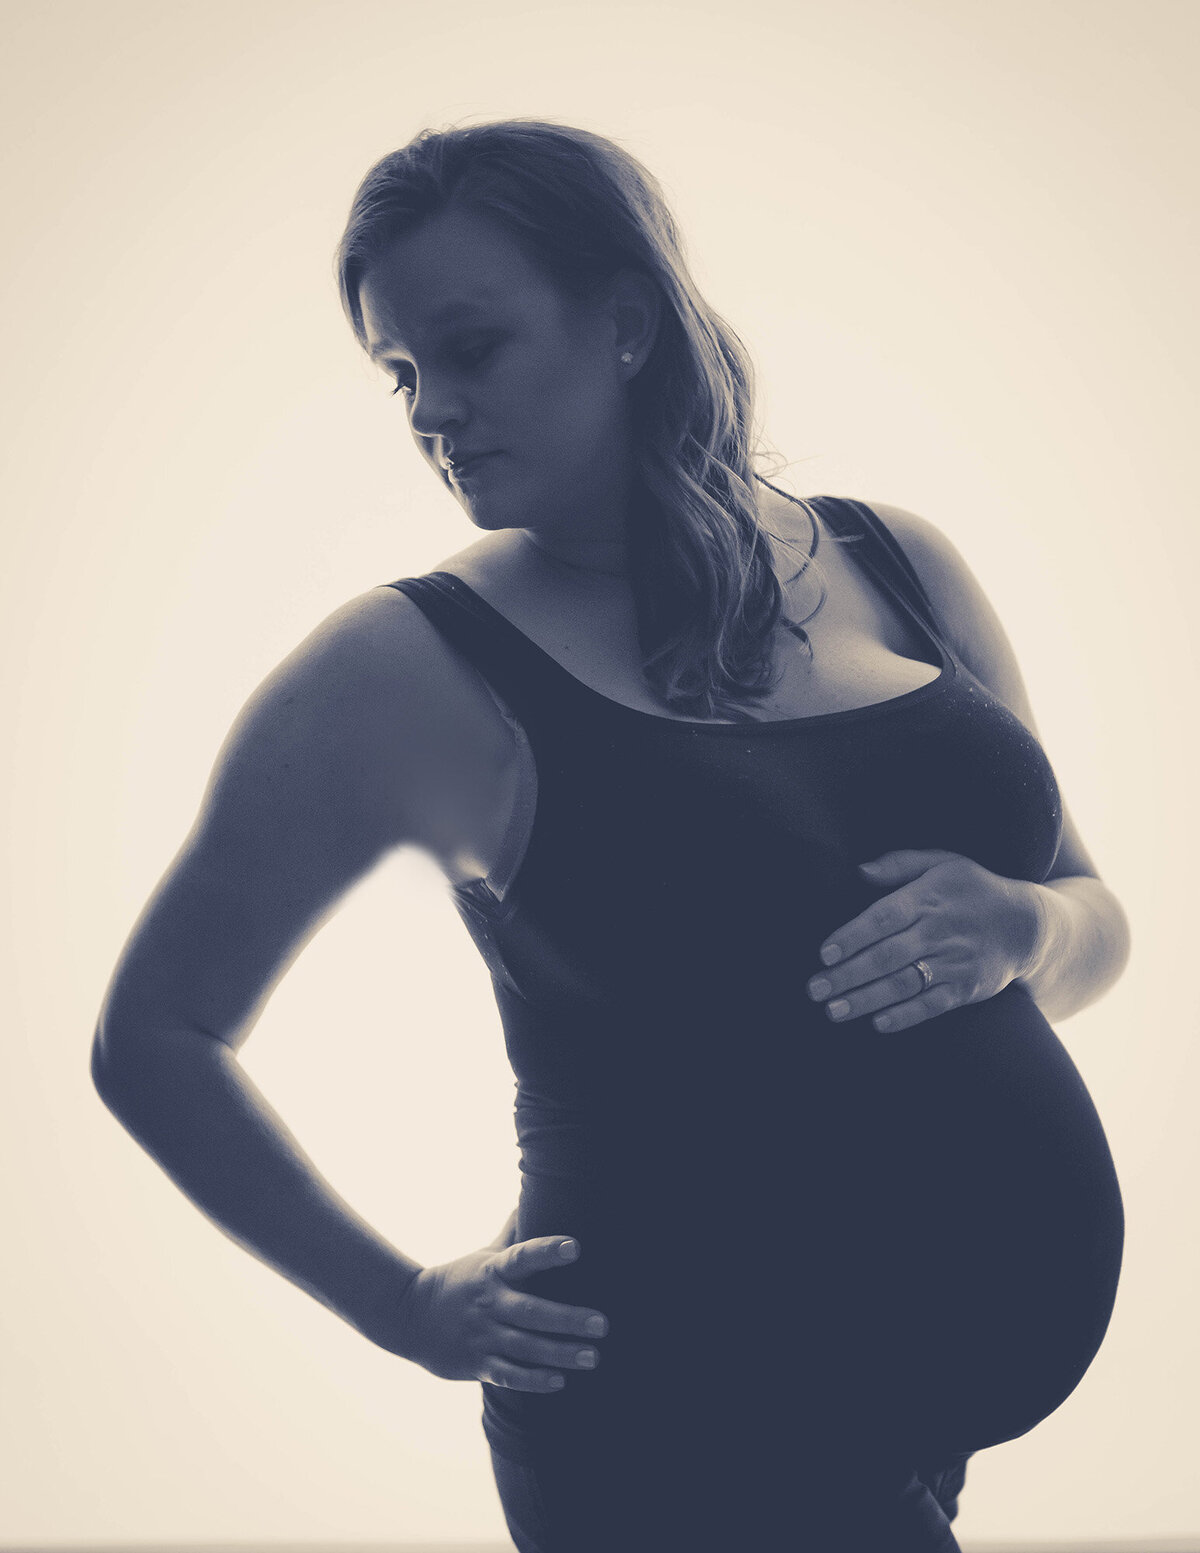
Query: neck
{"x": 586, "y": 558}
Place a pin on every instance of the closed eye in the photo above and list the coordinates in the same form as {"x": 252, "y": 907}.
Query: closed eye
{"x": 474, "y": 356}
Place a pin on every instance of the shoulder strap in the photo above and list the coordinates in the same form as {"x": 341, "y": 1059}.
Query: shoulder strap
{"x": 883, "y": 552}
{"x": 523, "y": 680}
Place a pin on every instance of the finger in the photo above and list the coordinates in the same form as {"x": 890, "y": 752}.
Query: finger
{"x": 535, "y": 1314}
{"x": 899, "y": 987}
{"x": 906, "y": 861}
{"x": 535, "y": 1256}
{"x": 498, "y": 1371}
{"x": 528, "y": 1347}
{"x": 938, "y": 1000}
{"x": 892, "y": 914}
{"x": 882, "y": 959}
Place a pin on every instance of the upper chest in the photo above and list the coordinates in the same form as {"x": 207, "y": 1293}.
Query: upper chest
{"x": 865, "y": 646}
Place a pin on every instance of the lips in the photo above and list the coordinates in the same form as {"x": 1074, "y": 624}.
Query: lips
{"x": 462, "y": 469}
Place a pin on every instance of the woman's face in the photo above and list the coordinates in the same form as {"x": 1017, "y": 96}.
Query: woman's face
{"x": 491, "y": 358}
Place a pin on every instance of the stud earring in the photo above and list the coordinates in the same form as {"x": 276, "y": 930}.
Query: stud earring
{"x": 626, "y": 357}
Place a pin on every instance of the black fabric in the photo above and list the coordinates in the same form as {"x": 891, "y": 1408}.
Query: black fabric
{"x": 921, "y": 1506}
{"x": 816, "y": 1245}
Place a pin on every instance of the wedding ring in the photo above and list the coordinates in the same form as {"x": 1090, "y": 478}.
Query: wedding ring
{"x": 926, "y": 975}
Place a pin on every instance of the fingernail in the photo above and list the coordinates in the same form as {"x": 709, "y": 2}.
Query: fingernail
{"x": 587, "y": 1359}
{"x": 831, "y": 954}
{"x": 595, "y": 1326}
{"x": 568, "y": 1248}
{"x": 839, "y": 1009}
{"x": 820, "y": 988}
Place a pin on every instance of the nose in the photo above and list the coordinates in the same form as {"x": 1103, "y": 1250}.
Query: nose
{"x": 436, "y": 408}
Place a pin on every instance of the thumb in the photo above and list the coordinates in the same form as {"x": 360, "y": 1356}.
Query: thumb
{"x": 527, "y": 1257}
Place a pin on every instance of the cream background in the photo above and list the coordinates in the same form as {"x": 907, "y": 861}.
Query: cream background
{"x": 960, "y": 240}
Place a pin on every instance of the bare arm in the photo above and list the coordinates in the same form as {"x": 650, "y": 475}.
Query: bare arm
{"x": 1082, "y": 944}
{"x": 321, "y": 776}
{"x": 1079, "y": 930}
{"x": 188, "y": 1101}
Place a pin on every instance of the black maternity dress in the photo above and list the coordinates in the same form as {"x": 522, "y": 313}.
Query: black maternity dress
{"x": 828, "y": 1256}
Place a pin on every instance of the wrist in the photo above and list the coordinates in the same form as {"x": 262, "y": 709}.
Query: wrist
{"x": 1034, "y": 938}
{"x": 379, "y": 1314}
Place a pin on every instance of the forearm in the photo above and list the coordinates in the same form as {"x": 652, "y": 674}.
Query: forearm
{"x": 187, "y": 1100}
{"x": 1081, "y": 944}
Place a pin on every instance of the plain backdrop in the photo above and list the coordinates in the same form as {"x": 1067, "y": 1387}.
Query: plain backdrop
{"x": 960, "y": 240}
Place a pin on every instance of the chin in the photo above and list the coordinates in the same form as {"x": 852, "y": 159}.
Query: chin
{"x": 487, "y": 517}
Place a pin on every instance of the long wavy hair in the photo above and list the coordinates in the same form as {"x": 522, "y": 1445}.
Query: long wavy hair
{"x": 702, "y": 566}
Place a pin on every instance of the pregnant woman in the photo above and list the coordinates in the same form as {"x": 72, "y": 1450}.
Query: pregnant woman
{"x": 741, "y": 799}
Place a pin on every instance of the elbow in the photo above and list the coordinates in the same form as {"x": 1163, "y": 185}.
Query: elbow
{"x": 136, "y": 1068}
{"x": 1115, "y": 935}
{"x": 1122, "y": 943}
{"x": 122, "y": 1068}
{"x": 106, "y": 1071}
{"x": 1110, "y": 942}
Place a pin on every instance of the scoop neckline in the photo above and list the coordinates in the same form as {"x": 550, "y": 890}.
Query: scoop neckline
{"x": 948, "y": 669}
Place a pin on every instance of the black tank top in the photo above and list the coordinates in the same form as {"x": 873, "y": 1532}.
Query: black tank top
{"x": 729, "y": 1158}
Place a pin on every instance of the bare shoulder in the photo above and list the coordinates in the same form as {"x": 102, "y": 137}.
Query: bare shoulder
{"x": 964, "y": 612}
{"x": 379, "y": 652}
{"x": 359, "y": 742}
{"x": 365, "y": 712}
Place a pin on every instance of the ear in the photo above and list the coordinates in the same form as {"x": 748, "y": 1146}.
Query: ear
{"x": 635, "y": 305}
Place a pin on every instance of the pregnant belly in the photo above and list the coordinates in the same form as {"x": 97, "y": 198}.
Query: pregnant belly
{"x": 918, "y": 1238}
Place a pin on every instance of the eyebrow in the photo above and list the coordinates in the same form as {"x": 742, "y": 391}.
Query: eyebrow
{"x": 443, "y": 314}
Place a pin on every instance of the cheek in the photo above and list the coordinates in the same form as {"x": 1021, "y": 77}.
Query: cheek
{"x": 572, "y": 404}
